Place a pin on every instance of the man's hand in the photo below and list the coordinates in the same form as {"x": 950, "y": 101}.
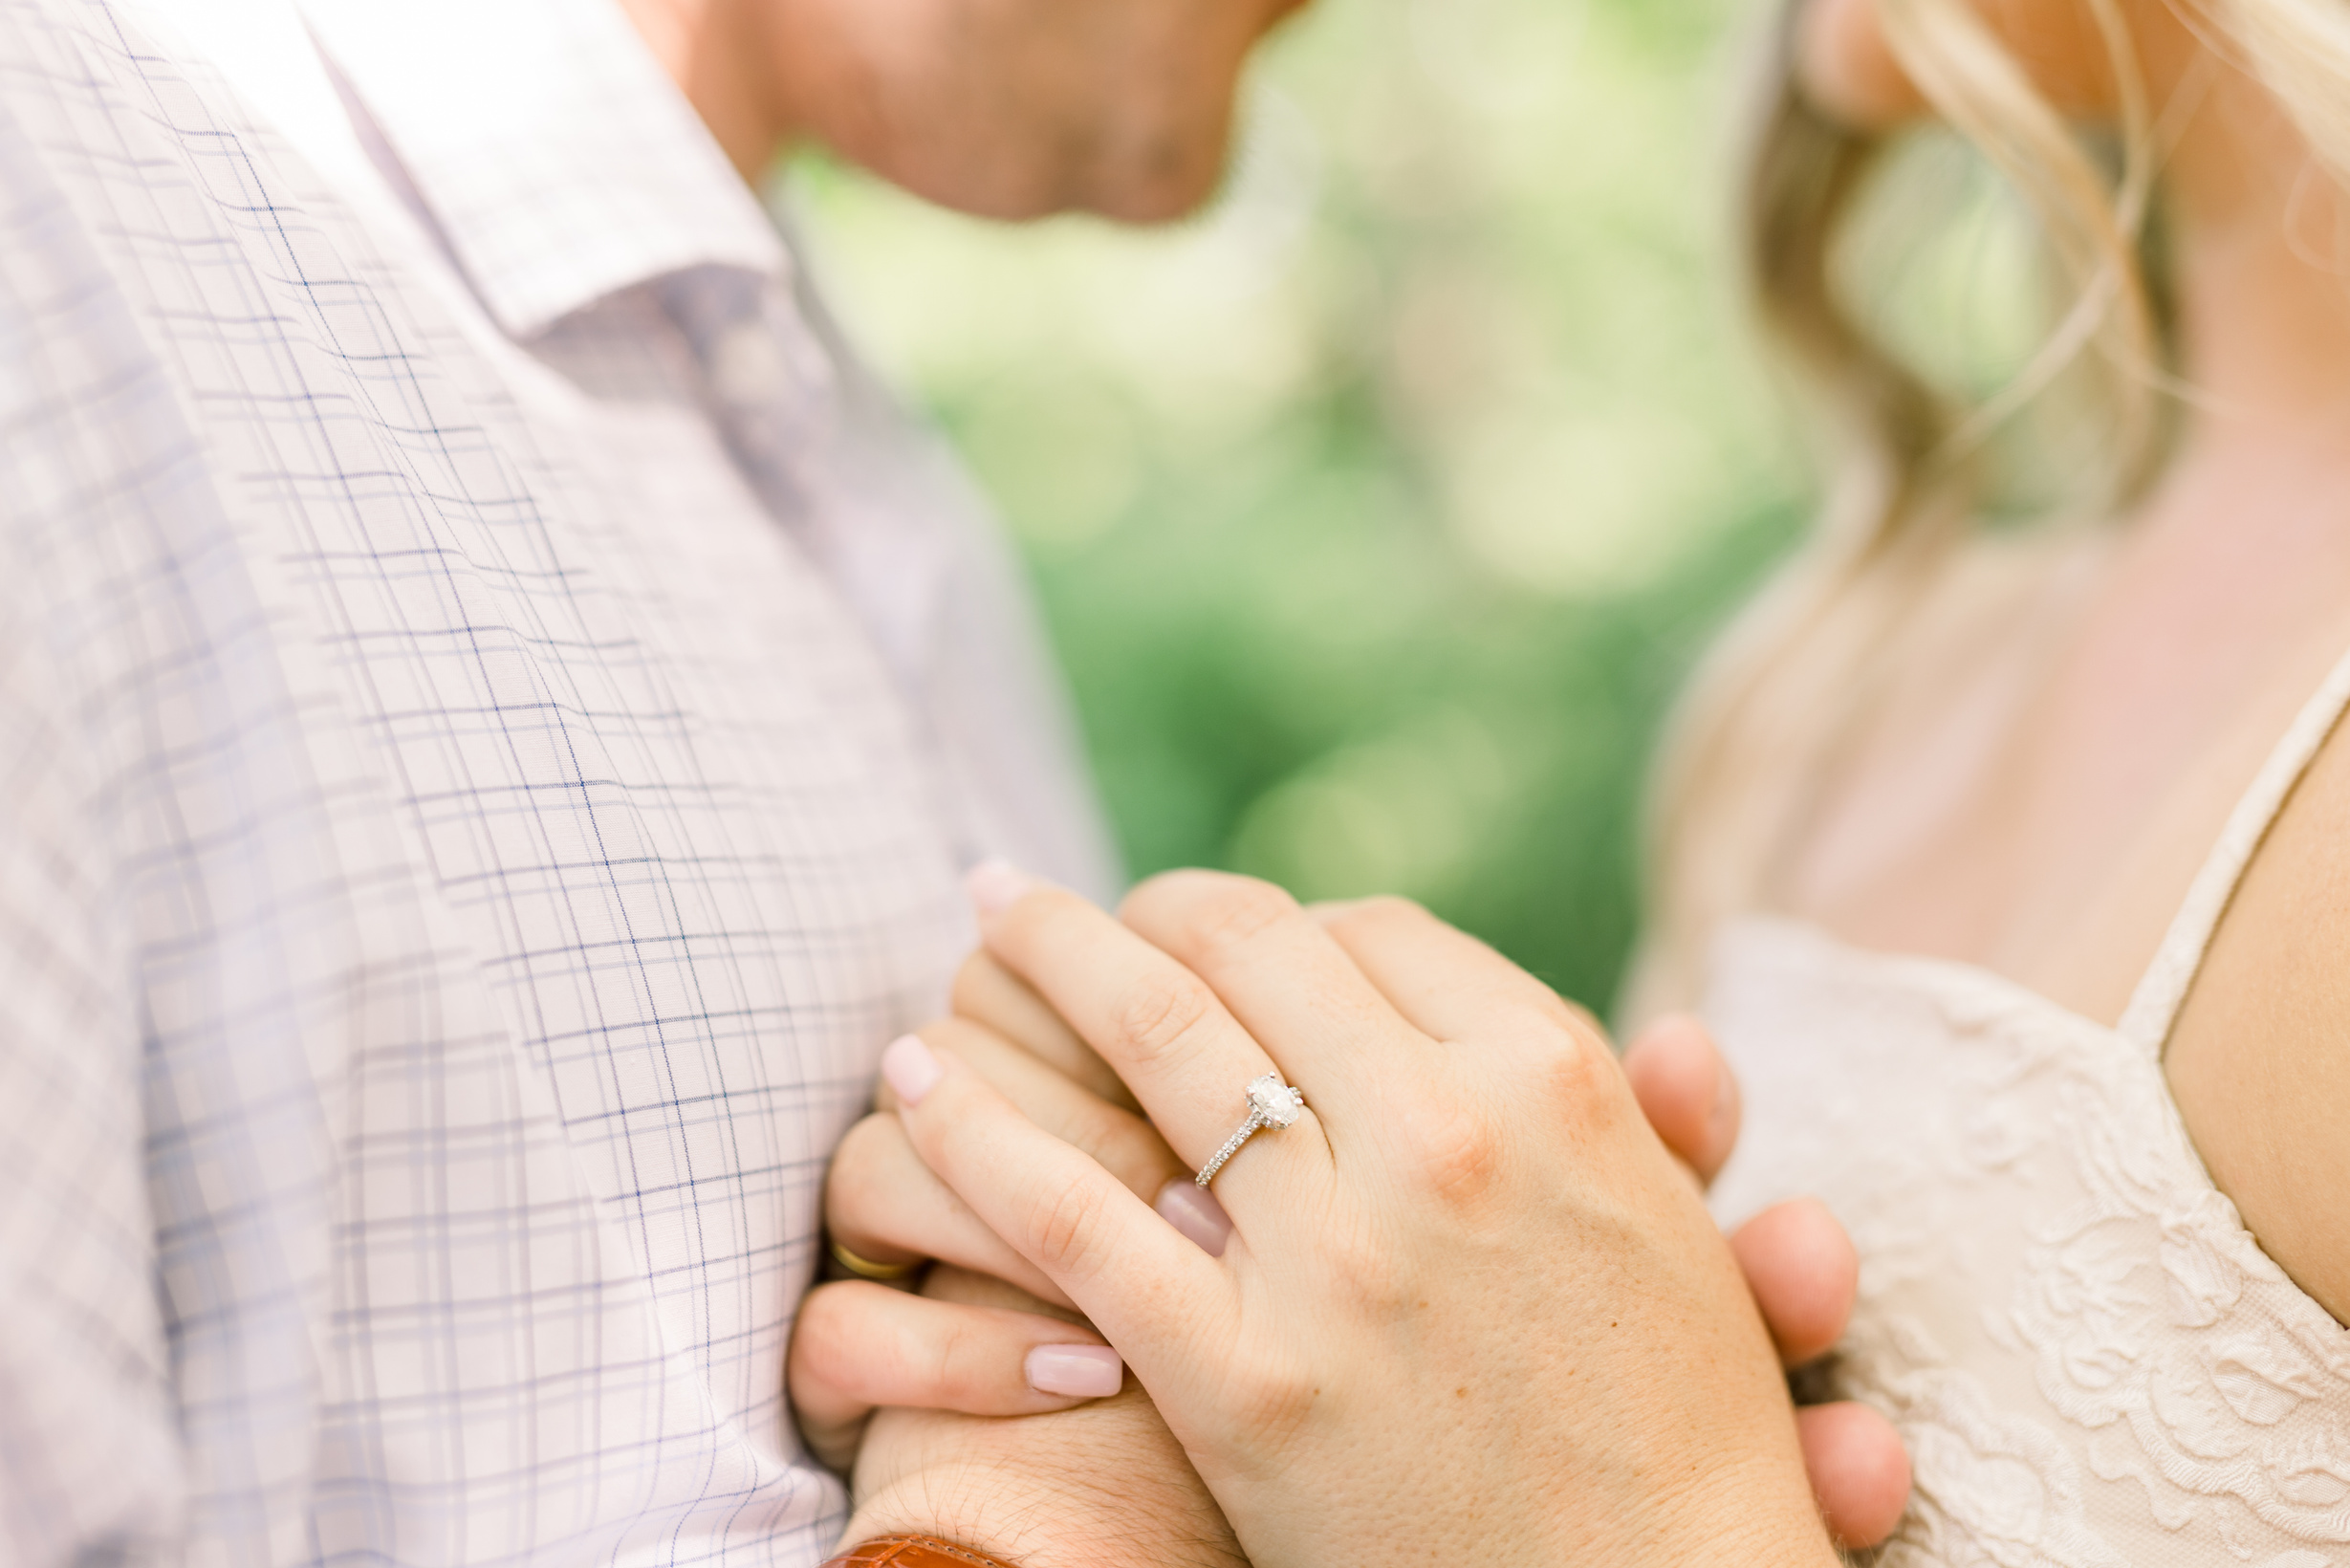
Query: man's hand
{"x": 1102, "y": 1483}
{"x": 1073, "y": 1485}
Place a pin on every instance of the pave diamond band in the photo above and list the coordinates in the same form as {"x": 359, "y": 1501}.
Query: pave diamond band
{"x": 1271, "y": 1103}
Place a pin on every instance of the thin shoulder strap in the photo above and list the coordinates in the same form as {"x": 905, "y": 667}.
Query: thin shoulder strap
{"x": 2154, "y": 1006}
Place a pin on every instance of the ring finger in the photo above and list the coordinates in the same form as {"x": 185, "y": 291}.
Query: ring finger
{"x": 1158, "y": 1025}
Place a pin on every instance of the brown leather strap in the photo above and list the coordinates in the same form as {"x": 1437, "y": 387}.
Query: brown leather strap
{"x": 913, "y": 1552}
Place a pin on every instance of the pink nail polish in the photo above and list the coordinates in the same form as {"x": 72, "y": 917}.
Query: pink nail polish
{"x": 1193, "y": 1209}
{"x": 994, "y": 883}
{"x": 910, "y": 1068}
{"x": 1075, "y": 1371}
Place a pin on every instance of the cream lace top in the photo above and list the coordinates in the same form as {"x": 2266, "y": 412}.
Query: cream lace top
{"x": 2091, "y": 1361}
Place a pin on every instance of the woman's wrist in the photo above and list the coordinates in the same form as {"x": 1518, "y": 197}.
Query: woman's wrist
{"x": 1763, "y": 1514}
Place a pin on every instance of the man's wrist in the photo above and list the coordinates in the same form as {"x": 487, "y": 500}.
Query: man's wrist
{"x": 913, "y": 1552}
{"x": 1008, "y": 1494}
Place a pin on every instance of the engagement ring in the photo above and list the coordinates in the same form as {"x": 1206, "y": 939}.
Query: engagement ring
{"x": 1271, "y": 1103}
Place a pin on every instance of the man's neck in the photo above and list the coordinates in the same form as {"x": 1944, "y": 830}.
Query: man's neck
{"x": 713, "y": 50}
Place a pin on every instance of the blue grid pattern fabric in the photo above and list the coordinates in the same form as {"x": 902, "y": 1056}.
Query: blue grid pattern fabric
{"x": 463, "y": 844}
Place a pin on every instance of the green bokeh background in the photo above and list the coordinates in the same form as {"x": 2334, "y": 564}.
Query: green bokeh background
{"x": 1379, "y": 512}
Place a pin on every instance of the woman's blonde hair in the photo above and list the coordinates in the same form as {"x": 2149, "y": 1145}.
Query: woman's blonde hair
{"x": 1784, "y": 686}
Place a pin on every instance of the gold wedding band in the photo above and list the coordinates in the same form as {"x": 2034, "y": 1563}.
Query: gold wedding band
{"x": 864, "y": 1267}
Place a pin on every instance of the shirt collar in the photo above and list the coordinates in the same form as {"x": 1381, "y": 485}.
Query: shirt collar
{"x": 559, "y": 160}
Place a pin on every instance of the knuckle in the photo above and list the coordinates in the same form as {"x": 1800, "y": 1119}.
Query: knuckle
{"x": 1381, "y": 913}
{"x": 1579, "y": 1082}
{"x": 1236, "y": 912}
{"x": 955, "y": 1360}
{"x": 823, "y": 1312}
{"x": 1454, "y": 1149}
{"x": 821, "y": 1332}
{"x": 1368, "y": 1269}
{"x": 1206, "y": 912}
{"x": 1160, "y": 1013}
{"x": 1391, "y": 909}
{"x": 1026, "y": 931}
{"x": 1062, "y": 1229}
{"x": 1569, "y": 1018}
{"x": 857, "y": 1176}
{"x": 1271, "y": 1393}
{"x": 1166, "y": 890}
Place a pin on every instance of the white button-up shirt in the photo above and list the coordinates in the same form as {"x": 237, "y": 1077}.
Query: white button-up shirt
{"x": 492, "y": 704}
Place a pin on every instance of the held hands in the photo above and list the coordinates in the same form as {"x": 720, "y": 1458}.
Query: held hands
{"x": 858, "y": 1345}
{"x": 1437, "y": 1230}
{"x": 1082, "y": 1481}
{"x": 1468, "y": 1306}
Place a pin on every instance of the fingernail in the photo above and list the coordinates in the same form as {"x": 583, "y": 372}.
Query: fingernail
{"x": 1193, "y": 1209}
{"x": 1077, "y": 1371}
{"x": 910, "y": 1068}
{"x": 994, "y": 884}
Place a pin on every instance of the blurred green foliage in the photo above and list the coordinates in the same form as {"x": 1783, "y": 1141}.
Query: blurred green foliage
{"x": 1379, "y": 511}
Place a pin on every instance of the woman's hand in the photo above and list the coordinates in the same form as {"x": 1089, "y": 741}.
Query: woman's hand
{"x": 1470, "y": 1304}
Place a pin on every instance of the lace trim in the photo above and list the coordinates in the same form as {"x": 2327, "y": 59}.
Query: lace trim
{"x": 2166, "y": 1348}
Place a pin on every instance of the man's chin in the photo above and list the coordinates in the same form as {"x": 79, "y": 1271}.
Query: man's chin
{"x": 1138, "y": 180}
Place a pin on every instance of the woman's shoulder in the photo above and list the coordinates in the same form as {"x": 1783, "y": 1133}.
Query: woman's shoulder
{"x": 2259, "y": 1057}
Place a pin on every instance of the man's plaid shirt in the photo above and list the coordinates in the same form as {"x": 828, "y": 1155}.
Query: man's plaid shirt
{"x": 492, "y": 708}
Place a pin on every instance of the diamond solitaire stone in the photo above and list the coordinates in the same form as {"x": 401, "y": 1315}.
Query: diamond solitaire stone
{"x": 1271, "y": 1103}
{"x": 1275, "y": 1101}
